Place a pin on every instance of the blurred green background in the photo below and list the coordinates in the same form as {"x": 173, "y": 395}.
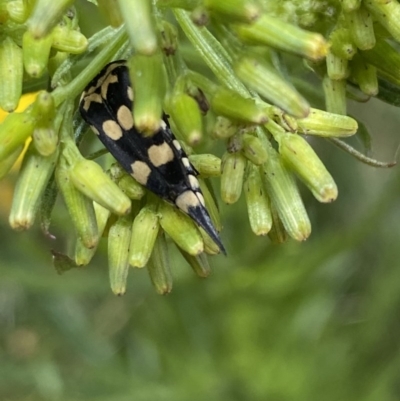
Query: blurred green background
{"x": 303, "y": 321}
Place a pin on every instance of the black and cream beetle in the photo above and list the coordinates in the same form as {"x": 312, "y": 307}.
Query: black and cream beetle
{"x": 158, "y": 162}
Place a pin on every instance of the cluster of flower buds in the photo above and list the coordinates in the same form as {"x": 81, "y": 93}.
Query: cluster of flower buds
{"x": 363, "y": 51}
{"x": 224, "y": 82}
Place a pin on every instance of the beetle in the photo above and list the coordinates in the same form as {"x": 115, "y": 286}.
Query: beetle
{"x": 158, "y": 162}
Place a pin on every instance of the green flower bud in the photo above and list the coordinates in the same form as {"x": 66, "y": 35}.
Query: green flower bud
{"x": 350, "y": 5}
{"x": 89, "y": 178}
{"x": 342, "y": 44}
{"x": 7, "y": 163}
{"x": 271, "y": 31}
{"x": 235, "y": 10}
{"x": 210, "y": 247}
{"x": 144, "y": 234}
{"x": 131, "y": 187}
{"x": 200, "y": 16}
{"x": 336, "y": 67}
{"x": 206, "y": 164}
{"x": 230, "y": 104}
{"x": 19, "y": 10}
{"x": 285, "y": 196}
{"x": 197, "y": 94}
{"x": 110, "y": 9}
{"x": 235, "y": 144}
{"x": 322, "y": 123}
{"x": 387, "y": 13}
{"x": 45, "y": 140}
{"x": 365, "y": 76}
{"x": 44, "y": 109}
{"x": 80, "y": 208}
{"x": 185, "y": 112}
{"x": 31, "y": 184}
{"x": 361, "y": 28}
{"x": 386, "y": 59}
{"x": 258, "y": 207}
{"x": 68, "y": 40}
{"x": 287, "y": 122}
{"x": 119, "y": 239}
{"x": 233, "y": 166}
{"x": 181, "y": 229}
{"x": 36, "y": 53}
{"x": 168, "y": 38}
{"x": 140, "y": 25}
{"x": 45, "y": 15}
{"x": 147, "y": 72}
{"x": 199, "y": 263}
{"x": 11, "y": 71}
{"x": 211, "y": 204}
{"x": 277, "y": 234}
{"x": 159, "y": 267}
{"x": 46, "y": 207}
{"x": 253, "y": 149}
{"x": 267, "y": 82}
{"x": 335, "y": 95}
{"x": 301, "y": 158}
{"x": 45, "y": 135}
{"x": 224, "y": 128}
{"x": 17, "y": 127}
{"x": 83, "y": 255}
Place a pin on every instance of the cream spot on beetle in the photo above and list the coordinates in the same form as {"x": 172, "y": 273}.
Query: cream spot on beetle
{"x": 113, "y": 66}
{"x": 90, "y": 90}
{"x": 201, "y": 198}
{"x": 140, "y": 172}
{"x": 177, "y": 145}
{"x": 129, "y": 92}
{"x": 111, "y": 79}
{"x": 125, "y": 118}
{"x": 94, "y": 97}
{"x": 194, "y": 183}
{"x": 112, "y": 130}
{"x": 186, "y": 162}
{"x": 104, "y": 76}
{"x": 186, "y": 200}
{"x": 160, "y": 154}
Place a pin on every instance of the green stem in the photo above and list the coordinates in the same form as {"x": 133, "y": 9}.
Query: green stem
{"x": 359, "y": 156}
{"x": 170, "y": 69}
{"x": 97, "y": 154}
{"x": 70, "y": 152}
{"x": 169, "y": 59}
{"x": 212, "y": 52}
{"x": 275, "y": 129}
{"x": 66, "y": 125}
{"x": 205, "y": 84}
{"x": 80, "y": 128}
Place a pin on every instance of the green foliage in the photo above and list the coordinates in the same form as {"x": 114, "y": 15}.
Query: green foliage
{"x": 315, "y": 320}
